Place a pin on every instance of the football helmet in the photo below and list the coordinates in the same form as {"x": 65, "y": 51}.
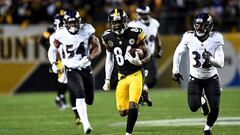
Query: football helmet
{"x": 118, "y": 20}
{"x": 58, "y": 21}
{"x": 143, "y": 14}
{"x": 203, "y": 24}
{"x": 72, "y": 21}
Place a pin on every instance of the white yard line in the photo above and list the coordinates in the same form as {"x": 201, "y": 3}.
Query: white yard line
{"x": 183, "y": 122}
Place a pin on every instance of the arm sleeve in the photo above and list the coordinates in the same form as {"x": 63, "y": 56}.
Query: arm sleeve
{"x": 218, "y": 59}
{"x": 180, "y": 50}
{"x": 109, "y": 64}
{"x": 52, "y": 54}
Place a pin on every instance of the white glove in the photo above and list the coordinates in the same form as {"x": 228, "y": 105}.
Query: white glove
{"x": 106, "y": 86}
{"x": 55, "y": 69}
{"x": 84, "y": 62}
{"x": 135, "y": 61}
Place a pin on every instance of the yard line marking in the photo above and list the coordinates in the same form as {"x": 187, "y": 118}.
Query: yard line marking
{"x": 183, "y": 122}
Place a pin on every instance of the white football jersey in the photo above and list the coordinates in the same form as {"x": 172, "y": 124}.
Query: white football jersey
{"x": 151, "y": 32}
{"x": 199, "y": 68}
{"x": 74, "y": 47}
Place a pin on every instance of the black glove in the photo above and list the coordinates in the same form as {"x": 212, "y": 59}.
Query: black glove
{"x": 177, "y": 77}
{"x": 206, "y": 55}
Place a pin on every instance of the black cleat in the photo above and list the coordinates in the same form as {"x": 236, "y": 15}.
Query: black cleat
{"x": 141, "y": 101}
{"x": 88, "y": 131}
{"x": 146, "y": 98}
{"x": 207, "y": 132}
{"x": 204, "y": 107}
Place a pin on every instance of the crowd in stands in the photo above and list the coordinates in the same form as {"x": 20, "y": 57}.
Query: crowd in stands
{"x": 170, "y": 13}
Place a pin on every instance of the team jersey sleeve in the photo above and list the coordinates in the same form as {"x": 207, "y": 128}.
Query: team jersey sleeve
{"x": 180, "y": 50}
{"x": 105, "y": 39}
{"x": 218, "y": 59}
{"x": 140, "y": 36}
{"x": 219, "y": 39}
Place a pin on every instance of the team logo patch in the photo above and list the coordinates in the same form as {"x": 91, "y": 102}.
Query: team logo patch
{"x": 131, "y": 41}
{"x": 110, "y": 43}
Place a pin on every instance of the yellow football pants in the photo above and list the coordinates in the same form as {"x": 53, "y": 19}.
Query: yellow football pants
{"x": 129, "y": 89}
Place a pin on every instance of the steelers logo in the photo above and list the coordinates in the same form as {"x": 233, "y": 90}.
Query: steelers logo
{"x": 131, "y": 41}
{"x": 110, "y": 43}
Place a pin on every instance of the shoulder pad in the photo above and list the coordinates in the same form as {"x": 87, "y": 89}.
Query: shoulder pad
{"x": 218, "y": 37}
{"x": 155, "y": 22}
{"x": 88, "y": 28}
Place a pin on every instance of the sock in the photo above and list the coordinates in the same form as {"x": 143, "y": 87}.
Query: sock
{"x": 203, "y": 101}
{"x": 207, "y": 127}
{"x": 82, "y": 111}
{"x": 57, "y": 98}
{"x": 75, "y": 112}
{"x": 131, "y": 120}
{"x": 128, "y": 133}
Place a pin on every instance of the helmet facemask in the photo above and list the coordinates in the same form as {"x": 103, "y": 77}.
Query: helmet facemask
{"x": 72, "y": 26}
{"x": 119, "y": 26}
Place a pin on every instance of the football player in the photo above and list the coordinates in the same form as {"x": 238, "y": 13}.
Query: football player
{"x": 204, "y": 47}
{"x": 60, "y": 99}
{"x": 118, "y": 40}
{"x": 62, "y": 78}
{"x": 78, "y": 45}
{"x": 150, "y": 26}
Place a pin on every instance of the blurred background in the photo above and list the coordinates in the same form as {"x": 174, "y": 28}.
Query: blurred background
{"x": 23, "y": 61}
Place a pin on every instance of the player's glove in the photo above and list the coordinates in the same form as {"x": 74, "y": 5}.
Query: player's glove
{"x": 206, "y": 55}
{"x": 55, "y": 69}
{"x": 135, "y": 61}
{"x": 177, "y": 77}
{"x": 106, "y": 86}
{"x": 159, "y": 54}
{"x": 84, "y": 62}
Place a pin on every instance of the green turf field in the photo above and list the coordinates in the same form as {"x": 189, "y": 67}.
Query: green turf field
{"x": 36, "y": 114}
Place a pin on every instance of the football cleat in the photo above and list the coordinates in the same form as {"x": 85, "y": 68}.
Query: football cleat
{"x": 146, "y": 98}
{"x": 204, "y": 106}
{"x": 78, "y": 121}
{"x": 88, "y": 131}
{"x": 207, "y": 132}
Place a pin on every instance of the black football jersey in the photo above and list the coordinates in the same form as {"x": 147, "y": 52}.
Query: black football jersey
{"x": 120, "y": 44}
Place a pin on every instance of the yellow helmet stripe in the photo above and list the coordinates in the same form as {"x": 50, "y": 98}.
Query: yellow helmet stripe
{"x": 115, "y": 12}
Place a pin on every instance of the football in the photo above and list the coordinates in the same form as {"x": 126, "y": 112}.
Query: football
{"x": 139, "y": 51}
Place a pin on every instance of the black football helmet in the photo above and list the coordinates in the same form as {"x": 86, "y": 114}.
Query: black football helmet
{"x": 72, "y": 21}
{"x": 143, "y": 13}
{"x": 118, "y": 20}
{"x": 203, "y": 24}
{"x": 58, "y": 21}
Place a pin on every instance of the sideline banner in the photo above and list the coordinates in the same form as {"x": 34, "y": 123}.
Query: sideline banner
{"x": 20, "y": 55}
